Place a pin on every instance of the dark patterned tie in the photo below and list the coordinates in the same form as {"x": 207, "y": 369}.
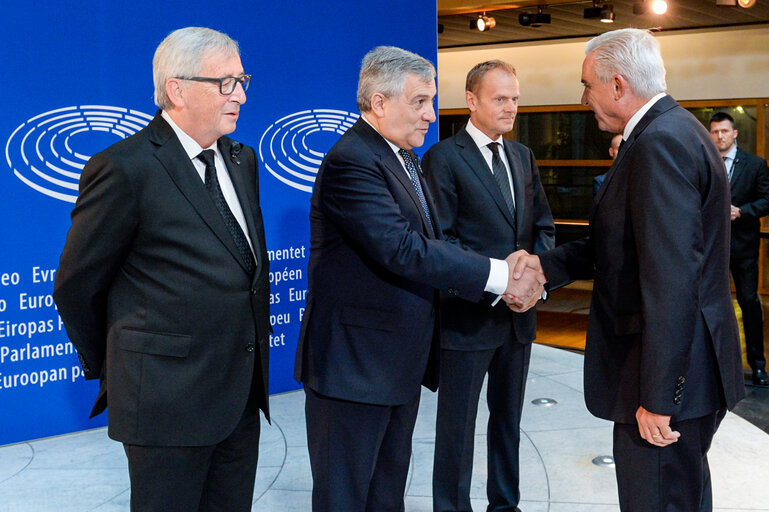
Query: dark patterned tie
{"x": 412, "y": 166}
{"x": 212, "y": 185}
{"x": 500, "y": 176}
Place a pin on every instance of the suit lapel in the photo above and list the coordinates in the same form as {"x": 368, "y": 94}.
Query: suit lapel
{"x": 384, "y": 152}
{"x": 175, "y": 161}
{"x": 475, "y": 161}
{"x": 245, "y": 188}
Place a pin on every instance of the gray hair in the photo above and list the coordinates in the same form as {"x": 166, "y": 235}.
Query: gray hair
{"x": 384, "y": 71}
{"x": 632, "y": 53}
{"x": 181, "y": 54}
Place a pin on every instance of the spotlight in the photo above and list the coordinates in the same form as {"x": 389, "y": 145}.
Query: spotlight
{"x": 483, "y": 23}
{"x": 607, "y": 14}
{"x": 534, "y": 19}
{"x": 733, "y": 3}
{"x": 593, "y": 12}
{"x": 659, "y": 6}
{"x": 656, "y": 7}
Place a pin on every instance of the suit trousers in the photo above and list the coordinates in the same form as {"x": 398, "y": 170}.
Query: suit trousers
{"x": 217, "y": 478}
{"x": 462, "y": 376}
{"x": 675, "y": 478}
{"x": 745, "y": 275}
{"x": 359, "y": 453}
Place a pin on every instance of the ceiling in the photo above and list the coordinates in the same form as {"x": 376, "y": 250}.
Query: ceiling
{"x": 568, "y": 19}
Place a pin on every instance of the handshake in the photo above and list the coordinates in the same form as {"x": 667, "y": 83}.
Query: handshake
{"x": 525, "y": 283}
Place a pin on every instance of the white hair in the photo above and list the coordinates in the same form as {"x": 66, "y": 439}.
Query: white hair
{"x": 632, "y": 53}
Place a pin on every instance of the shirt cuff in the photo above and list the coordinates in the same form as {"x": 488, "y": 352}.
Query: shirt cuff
{"x": 498, "y": 276}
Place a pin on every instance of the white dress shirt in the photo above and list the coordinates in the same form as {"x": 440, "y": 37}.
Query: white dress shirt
{"x": 639, "y": 114}
{"x": 482, "y": 141}
{"x": 729, "y": 159}
{"x": 193, "y": 149}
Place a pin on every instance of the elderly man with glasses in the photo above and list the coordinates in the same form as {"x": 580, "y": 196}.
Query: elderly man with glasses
{"x": 163, "y": 286}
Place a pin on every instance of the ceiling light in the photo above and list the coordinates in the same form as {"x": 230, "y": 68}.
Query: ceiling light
{"x": 659, "y": 6}
{"x": 656, "y": 7}
{"x": 746, "y": 3}
{"x": 593, "y": 12}
{"x": 534, "y": 19}
{"x": 483, "y": 23}
{"x": 607, "y": 14}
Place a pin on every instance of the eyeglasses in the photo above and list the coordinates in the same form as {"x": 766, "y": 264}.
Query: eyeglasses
{"x": 227, "y": 84}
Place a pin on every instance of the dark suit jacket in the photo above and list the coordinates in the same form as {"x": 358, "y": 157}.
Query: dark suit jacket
{"x": 473, "y": 215}
{"x": 662, "y": 332}
{"x": 368, "y": 333}
{"x": 750, "y": 192}
{"x": 156, "y": 298}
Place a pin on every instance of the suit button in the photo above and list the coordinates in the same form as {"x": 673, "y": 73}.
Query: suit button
{"x": 250, "y": 347}
{"x": 253, "y": 292}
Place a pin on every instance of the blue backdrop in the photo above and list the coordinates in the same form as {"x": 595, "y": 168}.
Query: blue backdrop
{"x": 78, "y": 77}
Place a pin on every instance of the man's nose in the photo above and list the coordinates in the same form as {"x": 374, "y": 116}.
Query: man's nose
{"x": 239, "y": 94}
{"x": 429, "y": 114}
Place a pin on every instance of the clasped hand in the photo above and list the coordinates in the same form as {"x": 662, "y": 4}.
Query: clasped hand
{"x": 526, "y": 281}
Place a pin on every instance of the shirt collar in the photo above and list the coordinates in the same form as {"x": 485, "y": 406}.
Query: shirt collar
{"x": 631, "y": 124}
{"x": 191, "y": 147}
{"x": 732, "y": 153}
{"x": 480, "y": 138}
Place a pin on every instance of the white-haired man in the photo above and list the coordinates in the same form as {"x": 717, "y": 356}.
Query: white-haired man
{"x": 662, "y": 359}
{"x": 163, "y": 286}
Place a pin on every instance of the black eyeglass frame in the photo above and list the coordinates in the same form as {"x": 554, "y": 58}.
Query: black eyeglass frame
{"x": 243, "y": 80}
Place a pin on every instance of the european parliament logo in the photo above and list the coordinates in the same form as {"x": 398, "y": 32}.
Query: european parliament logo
{"x": 48, "y": 151}
{"x": 292, "y": 148}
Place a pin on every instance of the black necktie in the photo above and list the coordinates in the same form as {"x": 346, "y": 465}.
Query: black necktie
{"x": 212, "y": 185}
{"x": 500, "y": 176}
{"x": 412, "y": 166}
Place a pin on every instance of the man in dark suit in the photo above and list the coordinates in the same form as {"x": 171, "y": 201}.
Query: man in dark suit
{"x": 488, "y": 199}
{"x": 163, "y": 286}
{"x": 749, "y": 184}
{"x": 662, "y": 358}
{"x": 369, "y": 336}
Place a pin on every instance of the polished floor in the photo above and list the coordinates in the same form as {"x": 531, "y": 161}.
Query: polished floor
{"x": 87, "y": 471}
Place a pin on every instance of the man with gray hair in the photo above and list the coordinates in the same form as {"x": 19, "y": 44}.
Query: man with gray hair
{"x": 662, "y": 356}
{"x": 163, "y": 286}
{"x": 369, "y": 335}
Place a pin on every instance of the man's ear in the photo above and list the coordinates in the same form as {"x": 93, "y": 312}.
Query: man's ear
{"x": 471, "y": 100}
{"x": 175, "y": 91}
{"x": 378, "y": 101}
{"x": 620, "y": 86}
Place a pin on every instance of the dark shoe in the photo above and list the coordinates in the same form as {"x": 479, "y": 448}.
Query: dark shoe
{"x": 760, "y": 377}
